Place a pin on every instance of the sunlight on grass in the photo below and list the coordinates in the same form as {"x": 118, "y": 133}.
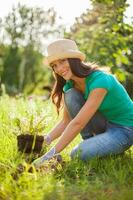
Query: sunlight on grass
{"x": 108, "y": 178}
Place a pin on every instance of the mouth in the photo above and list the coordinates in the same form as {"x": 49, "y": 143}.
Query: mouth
{"x": 64, "y": 73}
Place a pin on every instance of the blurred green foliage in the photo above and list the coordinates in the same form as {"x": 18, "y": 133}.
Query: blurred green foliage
{"x": 21, "y": 59}
{"x": 101, "y": 33}
{"x": 106, "y": 39}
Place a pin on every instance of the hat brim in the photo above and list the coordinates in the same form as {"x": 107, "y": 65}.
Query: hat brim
{"x": 66, "y": 54}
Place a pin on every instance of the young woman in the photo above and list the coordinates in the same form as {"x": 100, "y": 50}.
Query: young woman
{"x": 94, "y": 102}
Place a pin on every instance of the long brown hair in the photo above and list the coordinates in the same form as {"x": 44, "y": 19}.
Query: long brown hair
{"x": 79, "y": 69}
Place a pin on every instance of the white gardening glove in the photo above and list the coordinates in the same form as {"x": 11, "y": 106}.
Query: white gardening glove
{"x": 47, "y": 139}
{"x": 40, "y": 161}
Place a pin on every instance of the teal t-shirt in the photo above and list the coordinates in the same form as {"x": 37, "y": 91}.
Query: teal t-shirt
{"x": 117, "y": 106}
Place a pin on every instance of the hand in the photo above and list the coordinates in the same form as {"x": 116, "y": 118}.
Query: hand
{"x": 40, "y": 161}
{"x": 47, "y": 140}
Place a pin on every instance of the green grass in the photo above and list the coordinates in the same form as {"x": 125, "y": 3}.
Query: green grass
{"x": 99, "y": 179}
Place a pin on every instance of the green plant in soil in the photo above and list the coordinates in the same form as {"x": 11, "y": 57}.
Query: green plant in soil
{"x": 33, "y": 125}
{"x": 29, "y": 130}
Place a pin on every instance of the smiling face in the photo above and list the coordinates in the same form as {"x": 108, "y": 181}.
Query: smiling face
{"x": 62, "y": 68}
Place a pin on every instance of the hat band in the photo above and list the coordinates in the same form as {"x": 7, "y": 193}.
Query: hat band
{"x": 66, "y": 54}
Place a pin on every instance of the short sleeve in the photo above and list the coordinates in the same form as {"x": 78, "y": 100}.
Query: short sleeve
{"x": 67, "y": 86}
{"x": 102, "y": 81}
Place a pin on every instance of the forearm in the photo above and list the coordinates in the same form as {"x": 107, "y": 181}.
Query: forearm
{"x": 75, "y": 126}
{"x": 68, "y": 135}
{"x": 58, "y": 130}
{"x": 81, "y": 119}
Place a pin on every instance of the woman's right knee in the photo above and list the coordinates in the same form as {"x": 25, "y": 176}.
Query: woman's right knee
{"x": 85, "y": 150}
{"x": 79, "y": 153}
{"x": 74, "y": 152}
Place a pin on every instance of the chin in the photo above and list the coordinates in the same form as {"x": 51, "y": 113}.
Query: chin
{"x": 66, "y": 78}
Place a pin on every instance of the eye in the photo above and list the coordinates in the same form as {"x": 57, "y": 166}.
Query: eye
{"x": 63, "y": 60}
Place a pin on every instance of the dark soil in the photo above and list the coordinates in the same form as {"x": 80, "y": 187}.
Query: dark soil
{"x": 25, "y": 143}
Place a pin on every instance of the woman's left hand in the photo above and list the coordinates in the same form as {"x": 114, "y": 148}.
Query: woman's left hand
{"x": 40, "y": 161}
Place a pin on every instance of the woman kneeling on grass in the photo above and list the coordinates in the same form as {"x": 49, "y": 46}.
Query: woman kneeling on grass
{"x": 95, "y": 104}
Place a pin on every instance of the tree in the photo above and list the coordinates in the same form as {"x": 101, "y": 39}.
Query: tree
{"x": 105, "y": 38}
{"x": 25, "y": 29}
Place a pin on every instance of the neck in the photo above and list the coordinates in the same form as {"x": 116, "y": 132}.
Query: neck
{"x": 79, "y": 83}
{"x": 78, "y": 80}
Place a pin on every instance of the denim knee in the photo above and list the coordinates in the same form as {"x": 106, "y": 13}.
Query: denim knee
{"x": 74, "y": 153}
{"x": 74, "y": 101}
{"x": 81, "y": 153}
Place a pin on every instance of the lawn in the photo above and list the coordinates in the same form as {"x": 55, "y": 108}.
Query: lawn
{"x": 99, "y": 179}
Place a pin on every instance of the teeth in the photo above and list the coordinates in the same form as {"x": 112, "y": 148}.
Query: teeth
{"x": 63, "y": 73}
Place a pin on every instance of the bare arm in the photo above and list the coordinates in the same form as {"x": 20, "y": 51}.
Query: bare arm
{"x": 75, "y": 126}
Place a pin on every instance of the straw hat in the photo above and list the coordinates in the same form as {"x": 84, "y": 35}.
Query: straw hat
{"x": 63, "y": 48}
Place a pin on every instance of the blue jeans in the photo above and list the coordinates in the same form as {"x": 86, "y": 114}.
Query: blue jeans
{"x": 100, "y": 137}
